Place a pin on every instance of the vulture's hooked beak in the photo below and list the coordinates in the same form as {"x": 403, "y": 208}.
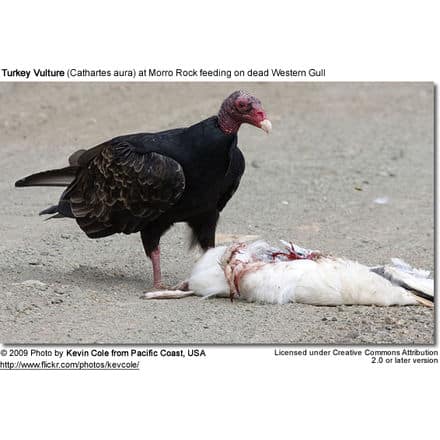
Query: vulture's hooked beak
{"x": 266, "y": 125}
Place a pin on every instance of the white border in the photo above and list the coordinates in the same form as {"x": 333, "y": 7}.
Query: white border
{"x": 235, "y": 392}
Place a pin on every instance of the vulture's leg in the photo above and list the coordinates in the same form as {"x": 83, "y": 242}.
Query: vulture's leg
{"x": 150, "y": 240}
{"x": 157, "y": 274}
{"x": 203, "y": 228}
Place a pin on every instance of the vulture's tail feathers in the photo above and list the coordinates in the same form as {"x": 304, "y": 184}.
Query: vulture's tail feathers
{"x": 61, "y": 210}
{"x": 57, "y": 215}
{"x": 59, "y": 177}
{"x": 54, "y": 209}
{"x": 51, "y": 210}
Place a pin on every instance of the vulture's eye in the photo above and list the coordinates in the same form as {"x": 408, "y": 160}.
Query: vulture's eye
{"x": 242, "y": 106}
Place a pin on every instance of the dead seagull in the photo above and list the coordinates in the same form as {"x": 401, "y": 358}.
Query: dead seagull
{"x": 146, "y": 182}
{"x": 259, "y": 272}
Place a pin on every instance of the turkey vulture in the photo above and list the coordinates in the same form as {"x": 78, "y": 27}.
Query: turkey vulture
{"x": 146, "y": 182}
{"x": 260, "y": 272}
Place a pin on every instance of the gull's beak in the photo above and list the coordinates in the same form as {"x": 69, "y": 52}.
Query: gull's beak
{"x": 266, "y": 125}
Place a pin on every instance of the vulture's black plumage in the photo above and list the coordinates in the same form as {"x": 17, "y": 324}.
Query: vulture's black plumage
{"x": 146, "y": 182}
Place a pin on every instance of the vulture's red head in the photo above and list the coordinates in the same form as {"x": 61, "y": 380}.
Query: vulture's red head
{"x": 239, "y": 108}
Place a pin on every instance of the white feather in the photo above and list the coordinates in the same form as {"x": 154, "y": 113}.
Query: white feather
{"x": 207, "y": 277}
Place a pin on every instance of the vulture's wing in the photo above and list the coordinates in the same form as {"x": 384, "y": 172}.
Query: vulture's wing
{"x": 119, "y": 188}
{"x": 233, "y": 175}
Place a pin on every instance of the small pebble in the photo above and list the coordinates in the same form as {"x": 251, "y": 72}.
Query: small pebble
{"x": 381, "y": 200}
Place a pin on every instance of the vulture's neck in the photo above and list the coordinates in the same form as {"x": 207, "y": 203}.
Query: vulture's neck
{"x": 227, "y": 124}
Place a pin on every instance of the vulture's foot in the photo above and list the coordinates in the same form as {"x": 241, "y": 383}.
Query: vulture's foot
{"x": 184, "y": 285}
